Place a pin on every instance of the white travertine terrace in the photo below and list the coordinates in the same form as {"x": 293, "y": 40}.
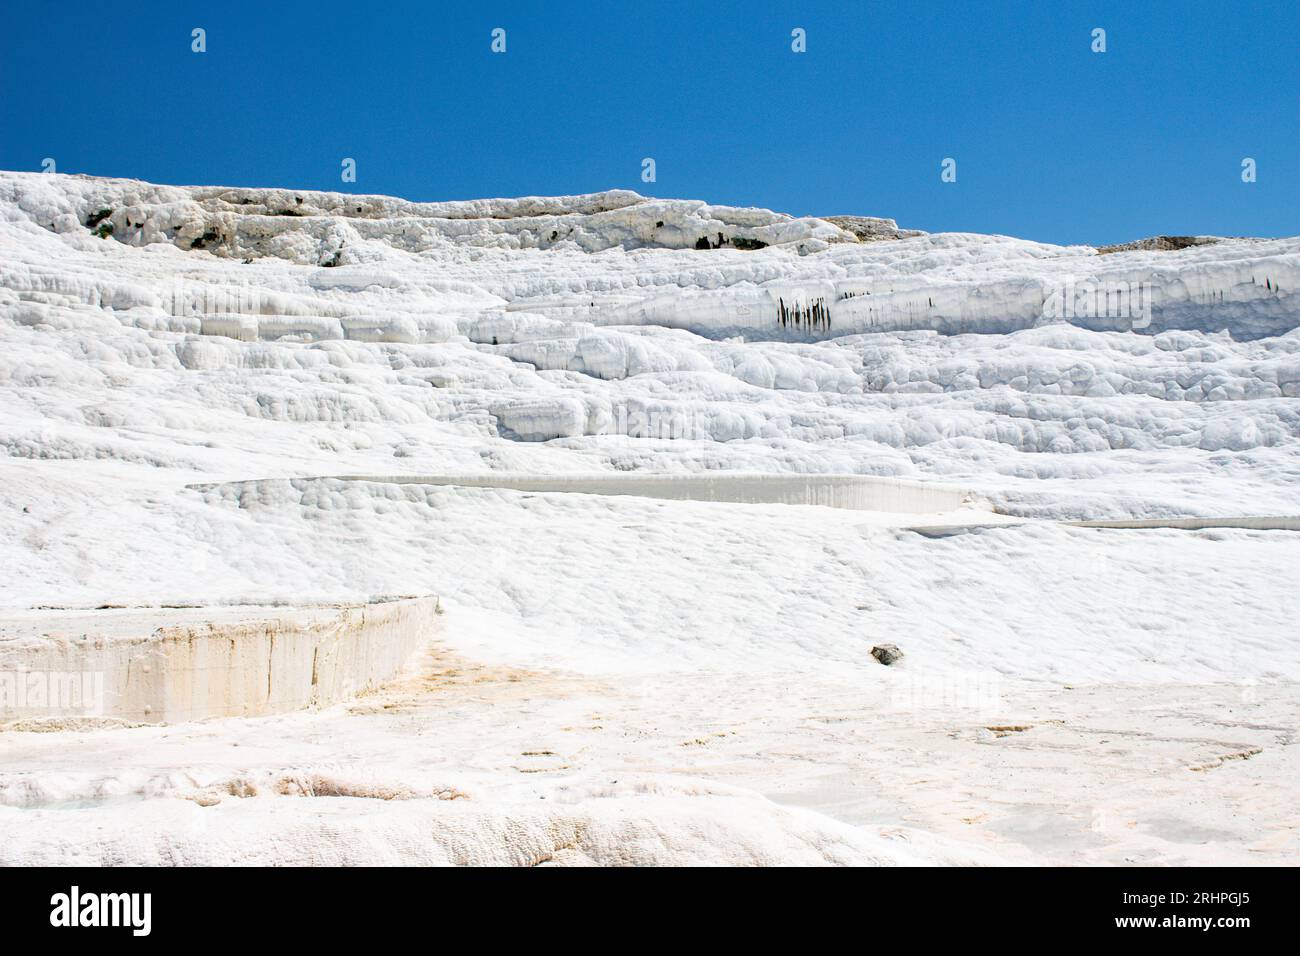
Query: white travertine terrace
{"x": 170, "y": 665}
{"x": 680, "y": 674}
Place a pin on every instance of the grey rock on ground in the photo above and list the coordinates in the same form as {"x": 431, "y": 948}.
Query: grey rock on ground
{"x": 886, "y": 653}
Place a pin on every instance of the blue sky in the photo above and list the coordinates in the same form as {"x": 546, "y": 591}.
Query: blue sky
{"x": 1052, "y": 141}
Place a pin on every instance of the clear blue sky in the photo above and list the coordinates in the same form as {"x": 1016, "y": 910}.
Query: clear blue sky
{"x": 1052, "y": 141}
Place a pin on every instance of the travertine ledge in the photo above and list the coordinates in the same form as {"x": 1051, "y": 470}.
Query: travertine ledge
{"x": 168, "y": 665}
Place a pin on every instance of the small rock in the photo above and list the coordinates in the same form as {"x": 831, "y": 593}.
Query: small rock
{"x": 886, "y": 653}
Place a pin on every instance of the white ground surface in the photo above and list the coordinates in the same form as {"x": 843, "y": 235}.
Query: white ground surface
{"x": 625, "y": 679}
